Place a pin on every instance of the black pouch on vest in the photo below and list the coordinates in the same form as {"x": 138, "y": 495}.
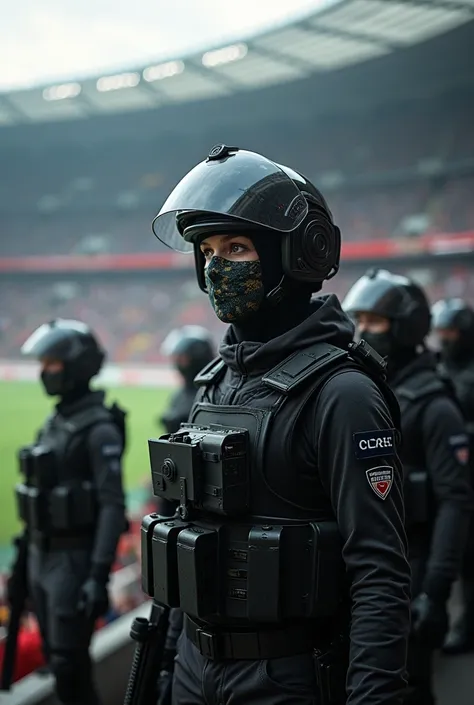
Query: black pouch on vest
{"x": 73, "y": 508}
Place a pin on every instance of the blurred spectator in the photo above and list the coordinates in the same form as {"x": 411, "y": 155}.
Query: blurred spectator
{"x": 133, "y": 313}
{"x": 29, "y": 650}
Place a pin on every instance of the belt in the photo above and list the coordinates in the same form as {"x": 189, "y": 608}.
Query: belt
{"x": 221, "y": 645}
{"x": 47, "y": 543}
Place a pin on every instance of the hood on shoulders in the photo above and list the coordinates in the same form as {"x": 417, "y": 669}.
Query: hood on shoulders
{"x": 327, "y": 323}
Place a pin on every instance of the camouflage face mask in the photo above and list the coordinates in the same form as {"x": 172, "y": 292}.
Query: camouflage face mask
{"x": 235, "y": 288}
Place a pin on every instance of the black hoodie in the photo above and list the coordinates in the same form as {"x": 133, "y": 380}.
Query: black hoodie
{"x": 324, "y": 461}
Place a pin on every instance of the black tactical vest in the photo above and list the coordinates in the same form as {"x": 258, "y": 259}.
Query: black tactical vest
{"x": 57, "y": 493}
{"x": 282, "y": 560}
{"x": 414, "y": 394}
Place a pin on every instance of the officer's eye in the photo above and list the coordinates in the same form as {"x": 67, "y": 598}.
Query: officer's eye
{"x": 207, "y": 252}
{"x": 237, "y": 248}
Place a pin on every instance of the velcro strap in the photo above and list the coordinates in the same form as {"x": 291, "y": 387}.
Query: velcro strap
{"x": 297, "y": 369}
{"x": 211, "y": 373}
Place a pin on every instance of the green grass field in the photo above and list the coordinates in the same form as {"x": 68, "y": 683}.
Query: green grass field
{"x": 23, "y": 409}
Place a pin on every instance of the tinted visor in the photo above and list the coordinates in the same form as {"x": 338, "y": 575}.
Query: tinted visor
{"x": 63, "y": 341}
{"x": 445, "y": 314}
{"x": 379, "y": 296}
{"x": 244, "y": 186}
{"x": 176, "y": 340}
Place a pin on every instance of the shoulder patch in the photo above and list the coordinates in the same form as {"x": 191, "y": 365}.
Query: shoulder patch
{"x": 460, "y": 446}
{"x": 462, "y": 455}
{"x": 381, "y": 480}
{"x": 374, "y": 444}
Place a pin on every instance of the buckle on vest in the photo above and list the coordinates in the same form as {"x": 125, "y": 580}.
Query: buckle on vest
{"x": 208, "y": 643}
{"x": 368, "y": 357}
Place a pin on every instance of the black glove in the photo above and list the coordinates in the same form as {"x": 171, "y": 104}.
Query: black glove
{"x": 429, "y": 620}
{"x": 165, "y": 679}
{"x": 93, "y": 598}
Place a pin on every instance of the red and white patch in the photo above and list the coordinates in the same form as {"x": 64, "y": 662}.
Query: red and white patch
{"x": 462, "y": 455}
{"x": 381, "y": 480}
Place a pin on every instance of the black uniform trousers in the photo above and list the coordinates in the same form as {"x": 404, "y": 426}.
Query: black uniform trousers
{"x": 420, "y": 655}
{"x": 55, "y": 578}
{"x": 281, "y": 681}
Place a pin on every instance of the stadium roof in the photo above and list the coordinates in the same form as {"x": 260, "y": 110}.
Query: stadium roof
{"x": 345, "y": 33}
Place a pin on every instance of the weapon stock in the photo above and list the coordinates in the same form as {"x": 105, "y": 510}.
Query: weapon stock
{"x": 150, "y": 635}
{"x": 18, "y": 592}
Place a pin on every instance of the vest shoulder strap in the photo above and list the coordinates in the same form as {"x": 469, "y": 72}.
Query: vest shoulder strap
{"x": 421, "y": 387}
{"x": 89, "y": 417}
{"x": 290, "y": 375}
{"x": 211, "y": 373}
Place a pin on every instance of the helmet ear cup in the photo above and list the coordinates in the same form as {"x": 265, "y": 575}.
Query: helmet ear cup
{"x": 312, "y": 253}
{"x": 465, "y": 320}
{"x": 414, "y": 326}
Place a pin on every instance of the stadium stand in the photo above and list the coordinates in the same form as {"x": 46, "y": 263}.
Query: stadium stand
{"x": 383, "y": 171}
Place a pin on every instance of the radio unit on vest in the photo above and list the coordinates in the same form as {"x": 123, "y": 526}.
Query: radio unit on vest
{"x": 205, "y": 467}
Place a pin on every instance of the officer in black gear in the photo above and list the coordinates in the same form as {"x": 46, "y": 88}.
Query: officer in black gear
{"x": 393, "y": 316}
{"x": 72, "y": 502}
{"x": 190, "y": 349}
{"x": 297, "y": 521}
{"x": 453, "y": 322}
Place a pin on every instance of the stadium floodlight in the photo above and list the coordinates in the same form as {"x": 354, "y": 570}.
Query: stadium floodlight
{"x": 161, "y": 71}
{"x": 62, "y": 92}
{"x": 224, "y": 56}
{"x": 117, "y": 82}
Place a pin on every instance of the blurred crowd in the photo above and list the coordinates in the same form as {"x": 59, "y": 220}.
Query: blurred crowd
{"x": 405, "y": 168}
{"x": 132, "y": 314}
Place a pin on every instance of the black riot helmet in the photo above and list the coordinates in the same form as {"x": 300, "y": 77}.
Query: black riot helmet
{"x": 454, "y": 315}
{"x": 191, "y": 348}
{"x": 72, "y": 343}
{"x": 236, "y": 190}
{"x": 394, "y": 297}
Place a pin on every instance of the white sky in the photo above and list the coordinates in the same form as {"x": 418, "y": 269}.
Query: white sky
{"x": 45, "y": 41}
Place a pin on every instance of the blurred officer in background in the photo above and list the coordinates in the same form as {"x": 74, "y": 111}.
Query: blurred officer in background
{"x": 393, "y": 316}
{"x": 190, "y": 349}
{"x": 323, "y": 499}
{"x": 72, "y": 502}
{"x": 453, "y": 322}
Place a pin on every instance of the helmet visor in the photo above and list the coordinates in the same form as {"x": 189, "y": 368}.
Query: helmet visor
{"x": 445, "y": 314}
{"x": 173, "y": 341}
{"x": 379, "y": 296}
{"x": 244, "y": 185}
{"x": 59, "y": 342}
